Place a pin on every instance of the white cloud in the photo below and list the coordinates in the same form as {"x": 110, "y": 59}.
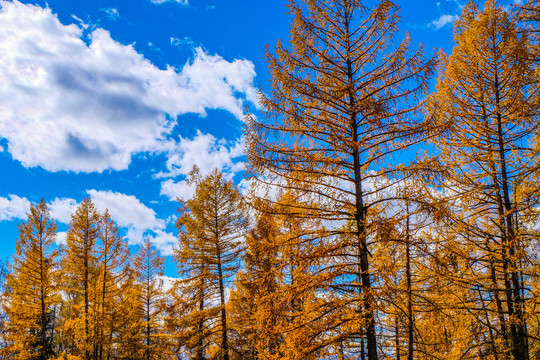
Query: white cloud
{"x": 13, "y": 207}
{"x": 165, "y": 242}
{"x": 126, "y": 210}
{"x": 141, "y": 221}
{"x": 174, "y": 190}
{"x": 181, "y": 2}
{"x": 66, "y": 105}
{"x": 112, "y": 13}
{"x": 62, "y": 209}
{"x": 443, "y": 21}
{"x": 205, "y": 151}
{"x": 61, "y": 238}
{"x": 80, "y": 21}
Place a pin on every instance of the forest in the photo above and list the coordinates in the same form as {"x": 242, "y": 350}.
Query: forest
{"x": 393, "y": 213}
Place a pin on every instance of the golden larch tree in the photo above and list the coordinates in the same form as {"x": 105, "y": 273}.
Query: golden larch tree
{"x": 80, "y": 272}
{"x": 112, "y": 274}
{"x": 32, "y": 293}
{"x": 210, "y": 227}
{"x": 148, "y": 266}
{"x": 343, "y": 101}
{"x": 484, "y": 115}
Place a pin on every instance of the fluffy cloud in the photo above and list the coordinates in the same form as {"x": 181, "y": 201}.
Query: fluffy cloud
{"x": 61, "y": 238}
{"x": 205, "y": 151}
{"x": 177, "y": 190}
{"x": 168, "y": 282}
{"x": 69, "y": 105}
{"x": 443, "y": 21}
{"x": 165, "y": 242}
{"x": 13, "y": 207}
{"x": 62, "y": 208}
{"x": 126, "y": 210}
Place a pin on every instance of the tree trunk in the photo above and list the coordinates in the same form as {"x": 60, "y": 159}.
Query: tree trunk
{"x": 410, "y": 322}
{"x": 224, "y": 343}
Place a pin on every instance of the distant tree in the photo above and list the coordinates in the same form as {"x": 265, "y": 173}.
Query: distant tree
{"x": 80, "y": 280}
{"x": 111, "y": 282}
{"x": 210, "y": 227}
{"x": 148, "y": 266}
{"x": 31, "y": 293}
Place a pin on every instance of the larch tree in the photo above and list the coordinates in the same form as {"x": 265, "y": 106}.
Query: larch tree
{"x": 343, "y": 101}
{"x": 485, "y": 116}
{"x": 80, "y": 272}
{"x": 148, "y": 266}
{"x": 254, "y": 307}
{"x": 112, "y": 274}
{"x": 129, "y": 320}
{"x": 32, "y": 289}
{"x": 210, "y": 227}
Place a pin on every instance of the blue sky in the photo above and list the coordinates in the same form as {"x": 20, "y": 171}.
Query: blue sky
{"x": 118, "y": 99}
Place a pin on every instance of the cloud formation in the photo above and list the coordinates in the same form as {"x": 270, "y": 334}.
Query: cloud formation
{"x": 126, "y": 210}
{"x": 443, "y": 21}
{"x": 112, "y": 13}
{"x": 62, "y": 208}
{"x": 69, "y": 105}
{"x": 13, "y": 207}
{"x": 177, "y": 190}
{"x": 205, "y": 151}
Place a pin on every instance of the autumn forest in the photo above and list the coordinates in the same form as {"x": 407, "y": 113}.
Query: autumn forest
{"x": 393, "y": 212}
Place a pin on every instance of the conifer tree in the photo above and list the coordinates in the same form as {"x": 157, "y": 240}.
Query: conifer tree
{"x": 148, "y": 266}
{"x": 253, "y": 305}
{"x": 342, "y": 102}
{"x": 80, "y": 272}
{"x": 112, "y": 273}
{"x": 484, "y": 114}
{"x": 32, "y": 289}
{"x": 129, "y": 320}
{"x": 210, "y": 227}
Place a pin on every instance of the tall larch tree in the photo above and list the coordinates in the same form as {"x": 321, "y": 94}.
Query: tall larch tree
{"x": 80, "y": 272}
{"x": 112, "y": 275}
{"x": 210, "y": 227}
{"x": 148, "y": 266}
{"x": 32, "y": 289}
{"x": 343, "y": 100}
{"x": 485, "y": 115}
